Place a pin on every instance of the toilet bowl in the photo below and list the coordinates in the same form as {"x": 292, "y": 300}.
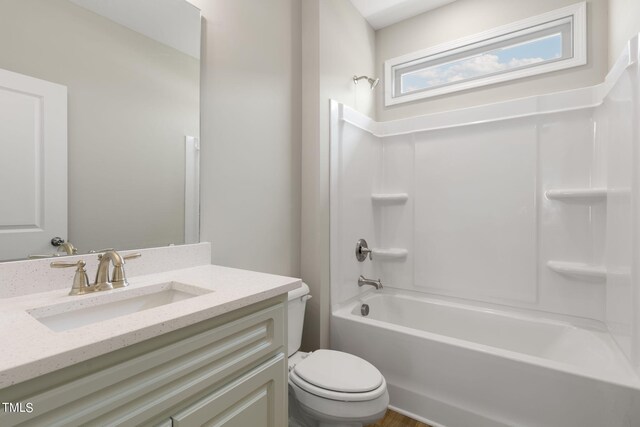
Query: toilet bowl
{"x": 327, "y": 387}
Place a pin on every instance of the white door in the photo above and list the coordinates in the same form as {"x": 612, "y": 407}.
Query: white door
{"x": 33, "y": 165}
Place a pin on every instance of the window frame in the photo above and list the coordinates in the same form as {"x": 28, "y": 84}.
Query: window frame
{"x": 576, "y": 14}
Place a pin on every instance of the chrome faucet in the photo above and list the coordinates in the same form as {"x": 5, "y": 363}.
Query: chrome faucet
{"x": 103, "y": 282}
{"x": 362, "y": 281}
{"x": 118, "y": 277}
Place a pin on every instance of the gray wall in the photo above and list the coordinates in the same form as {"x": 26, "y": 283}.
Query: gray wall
{"x": 250, "y": 157}
{"x": 466, "y": 17}
{"x": 624, "y": 23}
{"x": 131, "y": 102}
{"x": 269, "y": 70}
{"x": 337, "y": 43}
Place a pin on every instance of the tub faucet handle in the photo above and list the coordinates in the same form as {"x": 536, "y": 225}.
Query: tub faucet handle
{"x": 362, "y": 250}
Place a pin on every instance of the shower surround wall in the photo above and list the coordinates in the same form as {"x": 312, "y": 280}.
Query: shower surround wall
{"x": 530, "y": 205}
{"x": 475, "y": 223}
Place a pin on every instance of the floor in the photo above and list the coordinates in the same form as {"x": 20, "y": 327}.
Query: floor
{"x": 394, "y": 419}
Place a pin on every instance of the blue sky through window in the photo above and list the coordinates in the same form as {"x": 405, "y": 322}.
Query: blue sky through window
{"x": 508, "y": 58}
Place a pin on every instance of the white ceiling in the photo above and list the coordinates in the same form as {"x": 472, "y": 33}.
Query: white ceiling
{"x": 175, "y": 23}
{"x": 381, "y": 13}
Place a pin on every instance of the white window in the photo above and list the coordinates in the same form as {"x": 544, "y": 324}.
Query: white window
{"x": 541, "y": 44}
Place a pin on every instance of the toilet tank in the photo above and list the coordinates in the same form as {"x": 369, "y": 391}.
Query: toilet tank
{"x": 297, "y": 302}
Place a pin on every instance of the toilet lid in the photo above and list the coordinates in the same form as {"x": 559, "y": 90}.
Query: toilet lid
{"x": 338, "y": 371}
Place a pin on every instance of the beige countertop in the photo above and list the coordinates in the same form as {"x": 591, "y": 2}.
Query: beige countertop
{"x": 31, "y": 349}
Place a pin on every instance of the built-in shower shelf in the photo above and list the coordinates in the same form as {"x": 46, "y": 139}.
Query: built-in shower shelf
{"x": 585, "y": 195}
{"x": 389, "y": 253}
{"x": 594, "y": 272}
{"x": 390, "y": 198}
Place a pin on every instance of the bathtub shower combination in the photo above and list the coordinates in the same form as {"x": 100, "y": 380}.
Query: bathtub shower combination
{"x": 507, "y": 240}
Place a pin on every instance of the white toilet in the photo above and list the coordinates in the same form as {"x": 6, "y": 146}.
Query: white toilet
{"x": 327, "y": 387}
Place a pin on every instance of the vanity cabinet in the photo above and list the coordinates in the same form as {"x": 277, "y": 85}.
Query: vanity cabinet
{"x": 227, "y": 371}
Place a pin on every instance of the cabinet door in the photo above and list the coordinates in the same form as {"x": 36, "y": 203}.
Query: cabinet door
{"x": 256, "y": 399}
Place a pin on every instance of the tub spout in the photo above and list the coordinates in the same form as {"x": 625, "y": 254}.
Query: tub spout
{"x": 362, "y": 281}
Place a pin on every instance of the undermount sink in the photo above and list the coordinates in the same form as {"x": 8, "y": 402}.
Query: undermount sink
{"x": 104, "y": 306}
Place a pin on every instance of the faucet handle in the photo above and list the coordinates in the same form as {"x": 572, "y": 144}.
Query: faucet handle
{"x": 81, "y": 283}
{"x": 100, "y": 251}
{"x": 53, "y": 255}
{"x": 119, "y": 278}
{"x": 362, "y": 250}
{"x": 132, "y": 256}
{"x": 125, "y": 257}
{"x": 64, "y": 264}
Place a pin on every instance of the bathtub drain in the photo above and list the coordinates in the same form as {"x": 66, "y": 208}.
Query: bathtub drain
{"x": 364, "y": 309}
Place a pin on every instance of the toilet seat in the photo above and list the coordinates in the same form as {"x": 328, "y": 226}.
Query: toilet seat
{"x": 338, "y": 376}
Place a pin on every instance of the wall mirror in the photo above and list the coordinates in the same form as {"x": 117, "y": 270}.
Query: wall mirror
{"x": 99, "y": 125}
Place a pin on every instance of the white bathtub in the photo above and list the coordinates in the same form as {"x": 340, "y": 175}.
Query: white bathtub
{"x": 458, "y": 365}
